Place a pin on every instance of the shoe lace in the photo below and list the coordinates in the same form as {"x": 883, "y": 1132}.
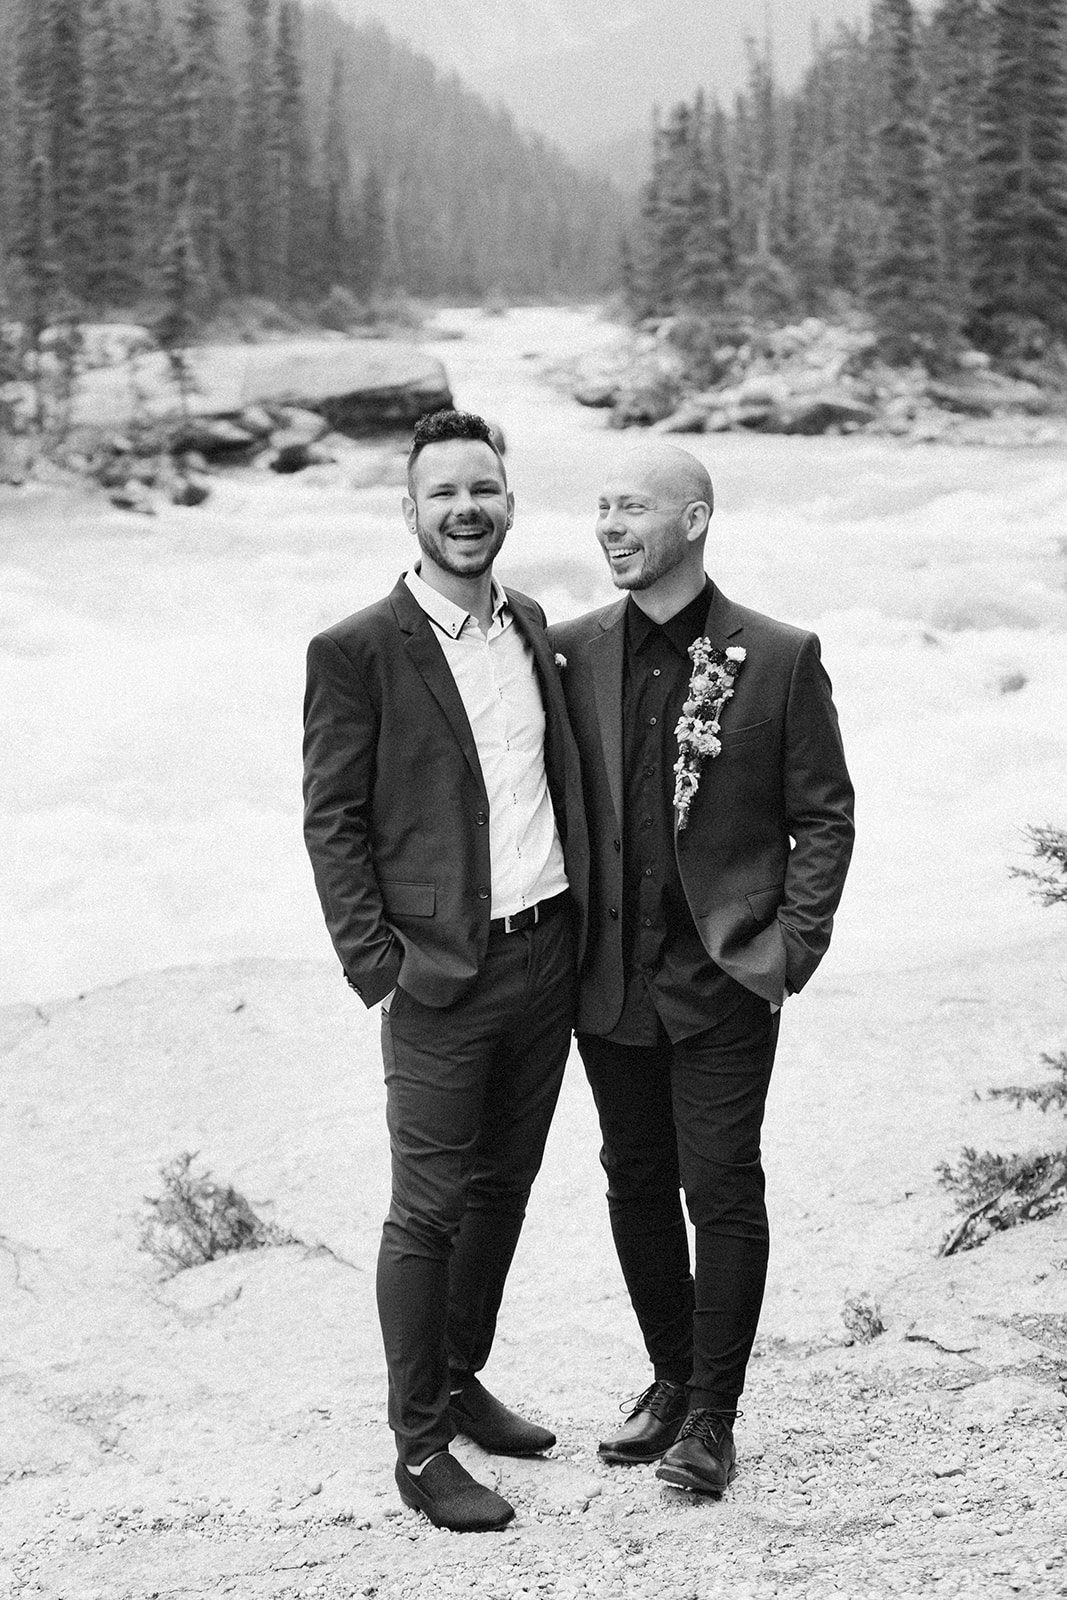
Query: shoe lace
{"x": 710, "y": 1427}
{"x": 654, "y": 1398}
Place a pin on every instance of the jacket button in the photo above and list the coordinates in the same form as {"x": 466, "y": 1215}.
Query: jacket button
{"x": 481, "y": 818}
{"x": 616, "y": 845}
{"x": 483, "y": 893}
{"x": 613, "y": 913}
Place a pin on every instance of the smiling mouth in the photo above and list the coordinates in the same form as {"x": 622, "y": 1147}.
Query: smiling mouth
{"x": 623, "y": 553}
{"x": 468, "y": 531}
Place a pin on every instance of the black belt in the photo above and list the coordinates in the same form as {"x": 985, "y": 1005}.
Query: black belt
{"x": 530, "y": 916}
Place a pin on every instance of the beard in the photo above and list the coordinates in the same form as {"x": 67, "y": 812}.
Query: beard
{"x": 436, "y": 546}
{"x": 653, "y": 565}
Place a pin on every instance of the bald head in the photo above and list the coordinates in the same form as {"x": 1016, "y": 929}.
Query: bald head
{"x": 652, "y": 522}
{"x": 670, "y": 472}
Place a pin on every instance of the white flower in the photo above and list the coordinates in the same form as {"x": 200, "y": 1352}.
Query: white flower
{"x": 710, "y": 686}
{"x": 705, "y": 743}
{"x": 561, "y": 661}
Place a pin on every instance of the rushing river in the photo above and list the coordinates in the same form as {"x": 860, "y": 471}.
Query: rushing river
{"x": 151, "y": 670}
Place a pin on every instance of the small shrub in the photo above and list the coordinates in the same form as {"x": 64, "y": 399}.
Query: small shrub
{"x": 862, "y": 1317}
{"x": 999, "y": 1191}
{"x": 196, "y": 1219}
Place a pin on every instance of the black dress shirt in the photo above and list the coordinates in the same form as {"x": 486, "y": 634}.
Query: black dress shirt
{"x": 672, "y": 985}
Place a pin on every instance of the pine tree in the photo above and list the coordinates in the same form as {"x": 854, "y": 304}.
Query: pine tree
{"x": 704, "y": 278}
{"x": 371, "y": 239}
{"x": 184, "y": 294}
{"x": 724, "y": 246}
{"x": 647, "y": 286}
{"x": 904, "y": 290}
{"x": 63, "y": 109}
{"x": 338, "y": 230}
{"x": 958, "y": 72}
{"x": 1021, "y": 199}
{"x": 294, "y": 271}
{"x": 8, "y": 136}
{"x": 258, "y": 248}
{"x": 864, "y": 90}
{"x": 697, "y": 288}
{"x": 41, "y": 269}
{"x": 675, "y": 231}
{"x": 157, "y": 136}
{"x": 203, "y": 175}
{"x": 111, "y": 255}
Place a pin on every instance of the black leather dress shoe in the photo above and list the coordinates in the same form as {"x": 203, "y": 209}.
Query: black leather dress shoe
{"x": 652, "y": 1425}
{"x": 703, "y": 1459}
{"x": 451, "y": 1498}
{"x": 480, "y": 1416}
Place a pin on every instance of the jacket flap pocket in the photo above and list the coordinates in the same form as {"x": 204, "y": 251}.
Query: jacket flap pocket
{"x": 763, "y": 903}
{"x": 409, "y": 899}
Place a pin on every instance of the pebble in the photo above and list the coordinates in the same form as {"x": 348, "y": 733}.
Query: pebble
{"x": 951, "y": 1468}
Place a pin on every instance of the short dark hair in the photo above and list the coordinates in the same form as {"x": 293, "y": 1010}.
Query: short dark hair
{"x": 437, "y": 427}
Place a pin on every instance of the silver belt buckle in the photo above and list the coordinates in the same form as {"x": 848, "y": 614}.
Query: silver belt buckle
{"x": 536, "y": 918}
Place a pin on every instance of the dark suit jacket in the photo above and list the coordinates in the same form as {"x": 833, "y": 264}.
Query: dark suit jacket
{"x": 767, "y": 843}
{"x": 396, "y": 816}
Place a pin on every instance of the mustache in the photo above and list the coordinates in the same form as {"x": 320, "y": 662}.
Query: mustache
{"x": 477, "y": 519}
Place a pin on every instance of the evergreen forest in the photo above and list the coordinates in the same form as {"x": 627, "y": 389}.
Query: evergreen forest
{"x": 919, "y": 173}
{"x": 175, "y": 152}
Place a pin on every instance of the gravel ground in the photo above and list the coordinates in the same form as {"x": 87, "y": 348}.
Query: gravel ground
{"x": 221, "y": 1432}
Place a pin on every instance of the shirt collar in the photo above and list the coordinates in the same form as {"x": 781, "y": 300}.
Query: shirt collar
{"x": 449, "y": 617}
{"x": 681, "y": 629}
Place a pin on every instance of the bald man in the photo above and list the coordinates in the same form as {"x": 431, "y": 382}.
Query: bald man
{"x": 720, "y": 815}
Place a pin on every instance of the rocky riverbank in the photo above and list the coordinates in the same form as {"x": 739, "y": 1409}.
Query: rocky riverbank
{"x": 809, "y": 378}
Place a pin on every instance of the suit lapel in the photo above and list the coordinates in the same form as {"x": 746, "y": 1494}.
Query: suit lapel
{"x": 724, "y": 620}
{"x": 605, "y": 662}
{"x": 428, "y": 658}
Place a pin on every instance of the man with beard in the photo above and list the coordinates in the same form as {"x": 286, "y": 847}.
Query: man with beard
{"x": 720, "y": 830}
{"x": 443, "y": 816}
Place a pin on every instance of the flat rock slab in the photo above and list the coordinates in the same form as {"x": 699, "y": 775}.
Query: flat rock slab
{"x": 359, "y": 385}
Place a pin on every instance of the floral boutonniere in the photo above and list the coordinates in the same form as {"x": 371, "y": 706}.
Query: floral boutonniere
{"x": 710, "y": 686}
{"x": 561, "y": 661}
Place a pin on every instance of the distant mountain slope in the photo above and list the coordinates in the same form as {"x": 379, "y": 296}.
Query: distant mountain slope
{"x": 589, "y": 71}
{"x": 475, "y": 203}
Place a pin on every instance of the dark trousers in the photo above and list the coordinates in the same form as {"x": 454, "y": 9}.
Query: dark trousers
{"x": 470, "y": 1092}
{"x": 688, "y": 1115}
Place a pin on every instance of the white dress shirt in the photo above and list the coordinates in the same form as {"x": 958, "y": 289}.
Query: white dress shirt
{"x": 497, "y": 682}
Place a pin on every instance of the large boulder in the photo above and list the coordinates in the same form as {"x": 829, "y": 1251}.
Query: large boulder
{"x": 983, "y": 393}
{"x": 358, "y": 386}
{"x": 688, "y": 418}
{"x": 215, "y": 438}
{"x": 816, "y": 413}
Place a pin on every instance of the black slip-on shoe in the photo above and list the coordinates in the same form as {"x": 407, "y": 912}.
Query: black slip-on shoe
{"x": 478, "y": 1415}
{"x": 445, "y": 1492}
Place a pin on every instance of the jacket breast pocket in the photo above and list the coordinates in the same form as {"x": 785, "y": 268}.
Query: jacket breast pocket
{"x": 409, "y": 899}
{"x": 734, "y": 738}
